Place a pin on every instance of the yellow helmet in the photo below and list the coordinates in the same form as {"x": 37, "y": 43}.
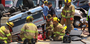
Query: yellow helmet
{"x": 29, "y": 18}
{"x": 45, "y": 1}
{"x": 67, "y": 1}
{"x": 55, "y": 19}
{"x": 11, "y": 24}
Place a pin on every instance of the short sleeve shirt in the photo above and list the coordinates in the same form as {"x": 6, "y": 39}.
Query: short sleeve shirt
{"x": 51, "y": 11}
{"x": 45, "y": 10}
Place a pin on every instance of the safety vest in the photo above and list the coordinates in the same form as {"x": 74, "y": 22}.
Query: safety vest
{"x": 31, "y": 31}
{"x": 4, "y": 38}
{"x": 60, "y": 32}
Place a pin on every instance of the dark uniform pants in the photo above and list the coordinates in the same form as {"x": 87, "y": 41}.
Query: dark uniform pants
{"x": 88, "y": 24}
{"x": 1, "y": 42}
{"x": 49, "y": 33}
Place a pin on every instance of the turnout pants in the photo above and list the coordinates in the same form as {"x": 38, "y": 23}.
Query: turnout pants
{"x": 49, "y": 33}
{"x": 68, "y": 23}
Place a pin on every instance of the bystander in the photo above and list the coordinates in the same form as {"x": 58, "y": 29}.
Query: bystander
{"x": 45, "y": 8}
{"x": 51, "y": 10}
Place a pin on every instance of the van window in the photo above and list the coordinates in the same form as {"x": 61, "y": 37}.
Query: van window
{"x": 53, "y": 2}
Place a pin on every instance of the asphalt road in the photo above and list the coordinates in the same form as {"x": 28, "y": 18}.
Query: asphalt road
{"x": 56, "y": 42}
{"x": 84, "y": 34}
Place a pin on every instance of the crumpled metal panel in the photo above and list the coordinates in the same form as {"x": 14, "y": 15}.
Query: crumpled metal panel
{"x": 21, "y": 14}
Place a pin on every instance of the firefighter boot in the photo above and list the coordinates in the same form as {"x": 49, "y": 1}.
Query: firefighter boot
{"x": 26, "y": 41}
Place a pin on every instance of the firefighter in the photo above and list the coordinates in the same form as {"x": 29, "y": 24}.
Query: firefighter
{"x": 29, "y": 32}
{"x": 59, "y": 30}
{"x": 68, "y": 15}
{"x": 49, "y": 26}
{"x": 5, "y": 35}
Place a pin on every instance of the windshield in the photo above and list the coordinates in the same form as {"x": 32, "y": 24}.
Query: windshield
{"x": 35, "y": 2}
{"x": 8, "y": 2}
{"x": 53, "y": 3}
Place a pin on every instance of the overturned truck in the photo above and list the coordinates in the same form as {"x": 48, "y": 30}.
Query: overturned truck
{"x": 19, "y": 17}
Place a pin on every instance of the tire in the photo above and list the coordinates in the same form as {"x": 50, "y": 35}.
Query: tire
{"x": 76, "y": 22}
{"x": 67, "y": 39}
{"x": 25, "y": 41}
{"x": 28, "y": 3}
{"x": 2, "y": 7}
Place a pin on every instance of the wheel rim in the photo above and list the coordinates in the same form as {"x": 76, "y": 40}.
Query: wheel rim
{"x": 77, "y": 23}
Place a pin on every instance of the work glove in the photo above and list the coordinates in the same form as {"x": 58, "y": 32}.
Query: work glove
{"x": 71, "y": 19}
{"x": 50, "y": 27}
{"x": 65, "y": 20}
{"x": 51, "y": 19}
{"x": 11, "y": 40}
{"x": 44, "y": 17}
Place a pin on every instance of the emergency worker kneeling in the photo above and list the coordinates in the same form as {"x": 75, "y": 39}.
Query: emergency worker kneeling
{"x": 5, "y": 35}
{"x": 29, "y": 31}
{"x": 59, "y": 30}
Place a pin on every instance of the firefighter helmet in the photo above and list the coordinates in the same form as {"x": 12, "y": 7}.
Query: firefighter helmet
{"x": 48, "y": 16}
{"x": 67, "y": 1}
{"x": 56, "y": 19}
{"x": 45, "y": 2}
{"x": 11, "y": 24}
{"x": 29, "y": 18}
